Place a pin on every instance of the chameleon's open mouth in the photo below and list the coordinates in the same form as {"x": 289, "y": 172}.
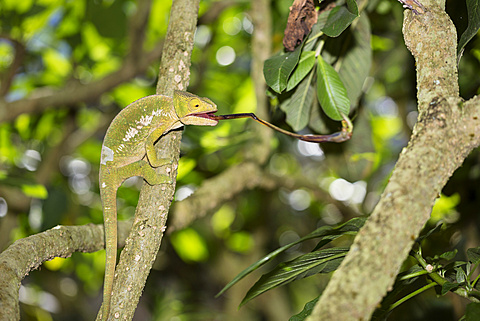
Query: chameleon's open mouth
{"x": 207, "y": 115}
{"x": 210, "y": 118}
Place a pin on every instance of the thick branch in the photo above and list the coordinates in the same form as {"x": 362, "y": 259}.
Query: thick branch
{"x": 145, "y": 238}
{"x": 444, "y": 135}
{"x": 226, "y": 186}
{"x": 28, "y": 254}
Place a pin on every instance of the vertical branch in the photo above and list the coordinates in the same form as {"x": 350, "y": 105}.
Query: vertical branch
{"x": 145, "y": 238}
{"x": 443, "y": 136}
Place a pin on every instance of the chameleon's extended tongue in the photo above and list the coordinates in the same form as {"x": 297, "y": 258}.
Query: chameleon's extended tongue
{"x": 337, "y": 137}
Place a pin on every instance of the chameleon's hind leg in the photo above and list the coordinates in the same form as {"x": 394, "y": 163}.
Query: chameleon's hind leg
{"x": 143, "y": 169}
{"x": 109, "y": 189}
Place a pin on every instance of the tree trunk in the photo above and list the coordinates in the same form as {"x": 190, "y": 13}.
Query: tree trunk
{"x": 445, "y": 133}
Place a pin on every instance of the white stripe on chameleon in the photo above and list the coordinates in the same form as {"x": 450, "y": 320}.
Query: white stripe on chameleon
{"x": 162, "y": 113}
{"x": 144, "y": 121}
{"x": 131, "y": 133}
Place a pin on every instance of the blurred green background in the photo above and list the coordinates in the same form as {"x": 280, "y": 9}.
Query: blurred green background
{"x": 49, "y": 158}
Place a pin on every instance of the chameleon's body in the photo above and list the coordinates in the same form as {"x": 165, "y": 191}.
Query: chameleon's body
{"x": 128, "y": 151}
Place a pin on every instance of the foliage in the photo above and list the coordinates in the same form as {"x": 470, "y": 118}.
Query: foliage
{"x": 318, "y": 261}
{"x": 294, "y": 71}
{"x": 473, "y": 9}
{"x": 441, "y": 272}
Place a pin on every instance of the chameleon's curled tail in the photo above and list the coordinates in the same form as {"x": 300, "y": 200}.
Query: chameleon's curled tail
{"x": 108, "y": 193}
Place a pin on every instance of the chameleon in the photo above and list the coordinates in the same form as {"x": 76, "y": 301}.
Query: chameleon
{"x": 128, "y": 151}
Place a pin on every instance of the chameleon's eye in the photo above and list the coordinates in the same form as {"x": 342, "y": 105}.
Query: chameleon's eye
{"x": 195, "y": 103}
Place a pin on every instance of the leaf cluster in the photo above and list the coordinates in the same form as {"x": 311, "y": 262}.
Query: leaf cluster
{"x": 441, "y": 272}
{"x": 319, "y": 261}
{"x": 319, "y": 70}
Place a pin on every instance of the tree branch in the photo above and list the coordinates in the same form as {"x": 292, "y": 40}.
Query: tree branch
{"x": 217, "y": 190}
{"x": 446, "y": 131}
{"x": 148, "y": 228}
{"x": 29, "y": 253}
{"x": 246, "y": 176}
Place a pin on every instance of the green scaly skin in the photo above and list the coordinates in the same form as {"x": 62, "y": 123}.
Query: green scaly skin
{"x": 128, "y": 151}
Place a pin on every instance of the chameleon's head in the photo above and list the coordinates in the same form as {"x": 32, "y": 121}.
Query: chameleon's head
{"x": 194, "y": 110}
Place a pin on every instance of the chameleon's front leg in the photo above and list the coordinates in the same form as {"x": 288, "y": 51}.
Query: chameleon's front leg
{"x": 152, "y": 154}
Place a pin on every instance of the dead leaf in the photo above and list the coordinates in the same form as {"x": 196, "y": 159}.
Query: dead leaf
{"x": 300, "y": 21}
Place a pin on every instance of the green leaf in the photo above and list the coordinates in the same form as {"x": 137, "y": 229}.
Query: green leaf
{"x": 404, "y": 283}
{"x": 299, "y": 106}
{"x": 447, "y": 286}
{"x": 354, "y": 66}
{"x": 473, "y": 255}
{"x": 410, "y": 276}
{"x": 307, "y": 310}
{"x": 436, "y": 229}
{"x": 317, "y": 28}
{"x": 472, "y": 312}
{"x": 448, "y": 255}
{"x": 316, "y": 31}
{"x": 323, "y": 261}
{"x": 306, "y": 63}
{"x": 331, "y": 92}
{"x": 473, "y": 9}
{"x": 460, "y": 275}
{"x": 278, "y": 68}
{"x": 340, "y": 18}
{"x": 317, "y": 121}
{"x": 35, "y": 191}
{"x": 352, "y": 225}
